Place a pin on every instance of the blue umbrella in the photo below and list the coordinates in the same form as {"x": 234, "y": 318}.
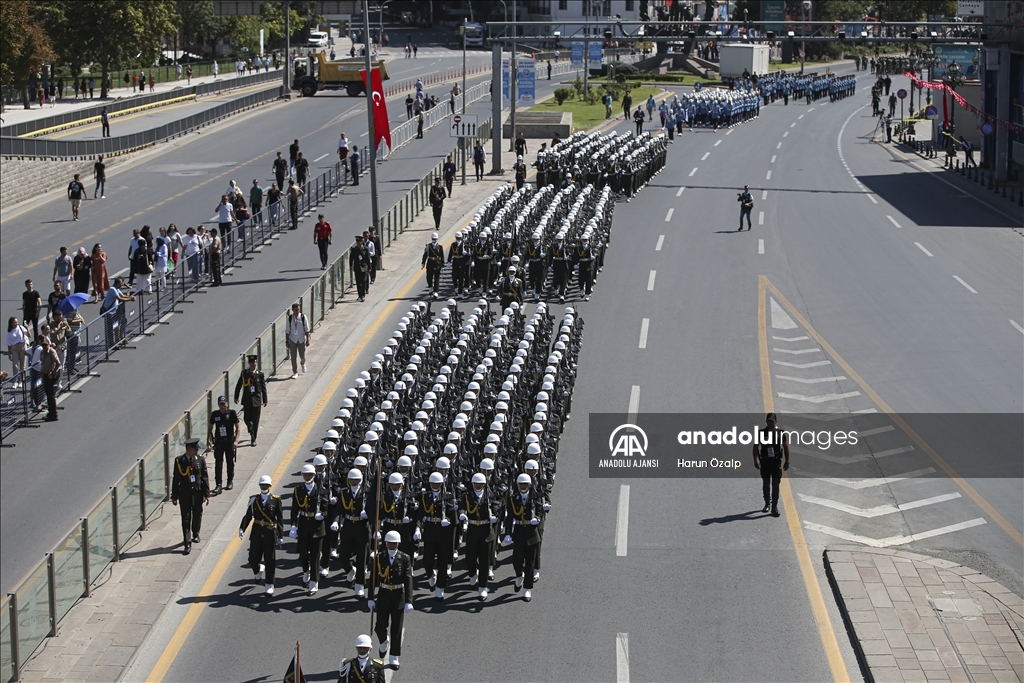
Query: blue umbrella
{"x": 71, "y": 302}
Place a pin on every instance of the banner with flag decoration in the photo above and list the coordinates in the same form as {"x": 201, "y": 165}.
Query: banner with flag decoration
{"x": 294, "y": 672}
{"x": 381, "y": 124}
{"x": 958, "y": 98}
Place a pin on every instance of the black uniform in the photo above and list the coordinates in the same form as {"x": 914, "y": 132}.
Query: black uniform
{"x": 394, "y": 510}
{"x": 520, "y": 170}
{"x": 771, "y": 457}
{"x": 191, "y": 486}
{"x": 585, "y": 259}
{"x": 560, "y": 260}
{"x": 355, "y": 530}
{"x": 391, "y": 587}
{"x": 480, "y": 534}
{"x": 482, "y": 264}
{"x": 223, "y": 426}
{"x": 433, "y": 259}
{"x": 438, "y": 540}
{"x": 537, "y": 267}
{"x": 268, "y": 527}
{"x": 525, "y": 536}
{"x": 308, "y": 502}
{"x": 458, "y": 256}
{"x": 510, "y": 289}
{"x": 252, "y": 388}
{"x": 359, "y": 260}
{"x": 437, "y": 203}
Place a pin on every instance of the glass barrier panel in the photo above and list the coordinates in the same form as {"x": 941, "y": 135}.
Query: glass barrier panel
{"x": 281, "y": 342}
{"x": 155, "y": 488}
{"x": 318, "y": 305}
{"x": 101, "y": 538}
{"x": 33, "y": 612}
{"x": 6, "y": 661}
{"x": 200, "y": 416}
{"x": 234, "y": 373}
{"x": 267, "y": 344}
{"x": 176, "y": 438}
{"x": 68, "y": 571}
{"x": 128, "y": 510}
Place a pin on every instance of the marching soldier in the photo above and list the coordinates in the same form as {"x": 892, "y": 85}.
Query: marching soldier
{"x": 355, "y": 529}
{"x": 478, "y": 510}
{"x": 325, "y": 479}
{"x": 482, "y": 263}
{"x": 537, "y": 267}
{"x": 433, "y": 261}
{"x": 585, "y": 260}
{"x": 191, "y": 486}
{"x": 458, "y": 257}
{"x": 523, "y": 518}
{"x": 222, "y": 437}
{"x": 520, "y": 170}
{"x": 392, "y": 584}
{"x": 265, "y": 513}
{"x": 251, "y": 387}
{"x": 361, "y": 669}
{"x": 543, "y": 486}
{"x": 510, "y": 289}
{"x": 396, "y": 510}
{"x": 437, "y": 201}
{"x": 506, "y": 251}
{"x": 359, "y": 261}
{"x": 438, "y": 510}
{"x": 309, "y": 503}
{"x": 560, "y": 259}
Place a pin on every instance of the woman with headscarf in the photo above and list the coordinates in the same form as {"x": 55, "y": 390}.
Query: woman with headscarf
{"x": 100, "y": 282}
{"x": 82, "y": 268}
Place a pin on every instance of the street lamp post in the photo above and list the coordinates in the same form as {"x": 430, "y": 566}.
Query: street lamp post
{"x": 513, "y": 71}
{"x": 380, "y": 38}
{"x": 805, "y": 7}
{"x": 953, "y": 78}
{"x": 462, "y": 140}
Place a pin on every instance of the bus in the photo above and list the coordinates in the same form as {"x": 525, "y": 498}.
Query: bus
{"x": 474, "y": 34}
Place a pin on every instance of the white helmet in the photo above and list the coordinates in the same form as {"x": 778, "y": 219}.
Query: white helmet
{"x": 364, "y": 641}
{"x": 436, "y": 478}
{"x": 319, "y": 460}
{"x": 405, "y": 460}
{"x": 265, "y": 480}
{"x": 443, "y": 463}
{"x": 524, "y": 479}
{"x": 487, "y": 464}
{"x": 360, "y": 461}
{"x": 479, "y": 478}
{"x": 355, "y": 474}
{"x": 329, "y": 446}
{"x": 393, "y": 536}
{"x": 396, "y": 478}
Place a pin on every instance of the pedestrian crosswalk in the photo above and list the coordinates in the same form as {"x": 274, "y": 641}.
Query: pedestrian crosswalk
{"x": 879, "y": 489}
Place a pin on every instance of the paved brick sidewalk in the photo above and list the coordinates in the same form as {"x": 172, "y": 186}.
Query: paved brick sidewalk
{"x": 919, "y": 618}
{"x": 102, "y": 634}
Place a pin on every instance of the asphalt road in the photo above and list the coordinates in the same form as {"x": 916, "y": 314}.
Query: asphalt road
{"x": 705, "y": 586}
{"x": 124, "y": 411}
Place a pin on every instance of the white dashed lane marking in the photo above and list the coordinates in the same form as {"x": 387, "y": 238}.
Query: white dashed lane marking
{"x": 778, "y": 146}
{"x": 774, "y": 156}
{"x": 921, "y": 247}
{"x": 650, "y": 280}
{"x": 644, "y": 327}
{"x": 764, "y": 195}
{"x": 760, "y": 246}
{"x": 760, "y": 218}
{"x": 893, "y": 221}
{"x": 679, "y": 192}
{"x": 661, "y": 243}
{"x": 1019, "y": 328}
{"x": 970, "y": 289}
{"x": 769, "y": 176}
{"x": 693, "y": 171}
{"x": 706, "y": 155}
{"x": 718, "y": 143}
{"x": 872, "y": 198}
{"x": 668, "y": 216}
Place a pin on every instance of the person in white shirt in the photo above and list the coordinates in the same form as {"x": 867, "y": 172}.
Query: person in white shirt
{"x": 17, "y": 338}
{"x": 298, "y": 338}
{"x": 193, "y": 253}
{"x": 342, "y": 147}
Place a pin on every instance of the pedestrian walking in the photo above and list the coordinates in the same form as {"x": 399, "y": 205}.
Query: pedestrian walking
{"x": 746, "y": 206}
{"x": 82, "y": 266}
{"x": 448, "y": 171}
{"x": 31, "y": 306}
{"x": 99, "y": 172}
{"x": 225, "y": 218}
{"x": 251, "y": 393}
{"x": 294, "y": 193}
{"x": 75, "y": 191}
{"x": 968, "y": 147}
{"x": 549, "y": 69}
{"x": 419, "y": 125}
{"x": 524, "y": 511}
{"x": 627, "y": 105}
{"x": 105, "y": 122}
{"x": 888, "y": 129}
{"x": 519, "y": 170}
{"x": 479, "y": 160}
{"x": 280, "y": 169}
{"x": 63, "y": 267}
{"x": 520, "y": 145}
{"x": 301, "y": 170}
{"x": 771, "y": 459}
{"x": 437, "y": 202}
{"x": 298, "y": 336}
{"x": 408, "y": 107}
{"x": 274, "y": 204}
{"x": 256, "y": 201}
{"x": 322, "y": 239}
{"x": 265, "y": 511}
{"x": 177, "y": 72}
{"x": 98, "y": 271}
{"x": 359, "y": 262}
{"x": 342, "y": 148}
{"x": 188, "y": 74}
{"x": 191, "y": 486}
{"x": 293, "y": 154}
{"x": 638, "y": 119}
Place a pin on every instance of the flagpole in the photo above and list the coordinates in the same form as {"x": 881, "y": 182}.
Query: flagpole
{"x": 374, "y": 209}
{"x": 376, "y": 540}
{"x": 298, "y": 664}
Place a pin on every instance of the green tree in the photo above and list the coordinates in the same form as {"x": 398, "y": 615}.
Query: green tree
{"x": 199, "y": 25}
{"x": 14, "y": 23}
{"x": 35, "y": 52}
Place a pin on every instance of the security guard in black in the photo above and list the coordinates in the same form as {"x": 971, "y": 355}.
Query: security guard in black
{"x": 771, "y": 459}
{"x": 222, "y": 437}
{"x": 190, "y": 485}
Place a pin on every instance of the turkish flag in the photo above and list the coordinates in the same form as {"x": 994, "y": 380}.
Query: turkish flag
{"x": 381, "y": 125}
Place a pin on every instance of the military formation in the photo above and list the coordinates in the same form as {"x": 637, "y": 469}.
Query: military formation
{"x": 809, "y": 86}
{"x": 619, "y": 161}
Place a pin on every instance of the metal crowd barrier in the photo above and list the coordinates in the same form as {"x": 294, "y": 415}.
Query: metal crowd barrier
{"x": 34, "y": 609}
{"x": 43, "y": 147}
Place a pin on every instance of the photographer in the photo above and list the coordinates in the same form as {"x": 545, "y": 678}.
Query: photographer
{"x": 746, "y": 206}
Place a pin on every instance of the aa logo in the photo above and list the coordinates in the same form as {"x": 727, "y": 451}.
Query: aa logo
{"x": 628, "y": 441}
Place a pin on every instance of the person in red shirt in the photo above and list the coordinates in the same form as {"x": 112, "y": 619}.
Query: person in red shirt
{"x": 322, "y": 239}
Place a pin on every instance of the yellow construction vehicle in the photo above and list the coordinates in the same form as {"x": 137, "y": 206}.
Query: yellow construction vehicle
{"x": 315, "y": 72}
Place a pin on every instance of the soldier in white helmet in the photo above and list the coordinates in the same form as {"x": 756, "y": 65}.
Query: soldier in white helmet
{"x": 309, "y": 504}
{"x": 479, "y": 510}
{"x": 396, "y": 510}
{"x": 265, "y": 513}
{"x": 354, "y": 528}
{"x": 361, "y": 668}
{"x": 437, "y": 519}
{"x": 391, "y": 595}
{"x": 523, "y": 514}
{"x": 433, "y": 261}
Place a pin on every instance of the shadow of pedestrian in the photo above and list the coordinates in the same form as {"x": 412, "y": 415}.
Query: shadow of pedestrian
{"x": 734, "y": 518}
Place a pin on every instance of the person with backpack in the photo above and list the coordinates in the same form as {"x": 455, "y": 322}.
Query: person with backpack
{"x": 297, "y": 331}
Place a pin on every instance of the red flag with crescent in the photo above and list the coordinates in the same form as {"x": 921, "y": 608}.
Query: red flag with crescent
{"x": 381, "y": 125}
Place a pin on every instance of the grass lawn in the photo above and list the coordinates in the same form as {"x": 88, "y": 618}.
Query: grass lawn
{"x": 586, "y": 116}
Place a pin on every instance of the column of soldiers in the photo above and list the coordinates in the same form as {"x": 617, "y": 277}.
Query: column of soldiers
{"x": 448, "y": 441}
{"x": 809, "y": 86}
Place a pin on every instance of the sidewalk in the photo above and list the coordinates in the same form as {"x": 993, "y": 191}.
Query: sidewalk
{"x": 102, "y": 634}
{"x": 919, "y": 618}
{"x": 16, "y": 113}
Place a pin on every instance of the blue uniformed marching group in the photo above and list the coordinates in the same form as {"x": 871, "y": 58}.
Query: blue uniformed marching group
{"x": 808, "y": 86}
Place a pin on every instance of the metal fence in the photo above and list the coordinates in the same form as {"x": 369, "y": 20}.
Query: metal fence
{"x": 113, "y": 106}
{"x": 40, "y": 147}
{"x": 33, "y": 610}
{"x": 404, "y": 132}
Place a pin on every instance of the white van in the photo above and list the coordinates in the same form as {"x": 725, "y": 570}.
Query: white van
{"x": 318, "y": 39}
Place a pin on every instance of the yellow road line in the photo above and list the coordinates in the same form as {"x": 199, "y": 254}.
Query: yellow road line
{"x": 986, "y": 507}
{"x": 96, "y": 119}
{"x": 227, "y": 556}
{"x": 822, "y": 620}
